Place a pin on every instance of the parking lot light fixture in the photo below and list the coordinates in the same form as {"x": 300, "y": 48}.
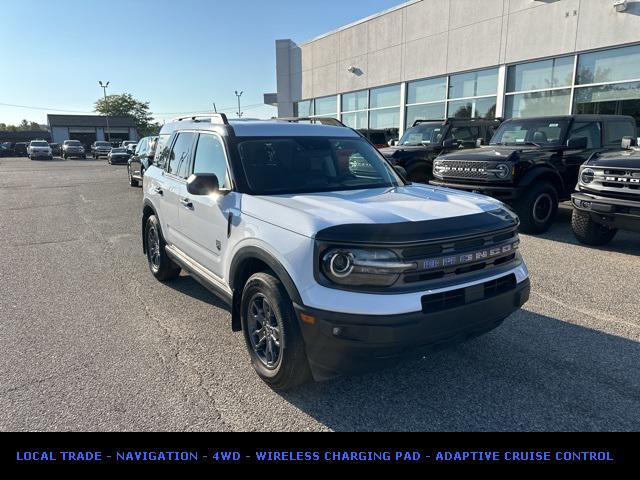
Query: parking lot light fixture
{"x": 104, "y": 89}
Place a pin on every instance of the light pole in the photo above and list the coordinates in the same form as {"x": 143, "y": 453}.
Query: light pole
{"x": 239, "y": 110}
{"x": 106, "y": 105}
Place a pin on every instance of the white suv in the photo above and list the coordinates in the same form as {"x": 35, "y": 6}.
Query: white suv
{"x": 329, "y": 260}
{"x": 39, "y": 149}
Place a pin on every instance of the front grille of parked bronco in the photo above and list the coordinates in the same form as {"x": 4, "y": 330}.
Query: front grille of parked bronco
{"x": 460, "y": 256}
{"x": 464, "y": 169}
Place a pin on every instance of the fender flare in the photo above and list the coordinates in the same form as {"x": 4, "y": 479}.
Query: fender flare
{"x": 146, "y": 203}
{"x": 535, "y": 173}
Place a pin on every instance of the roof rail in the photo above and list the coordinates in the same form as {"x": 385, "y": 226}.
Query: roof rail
{"x": 322, "y": 120}
{"x": 219, "y": 118}
{"x": 446, "y": 120}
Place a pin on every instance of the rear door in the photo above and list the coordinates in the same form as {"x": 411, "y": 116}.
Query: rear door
{"x": 204, "y": 220}
{"x": 591, "y": 130}
{"x": 172, "y": 187}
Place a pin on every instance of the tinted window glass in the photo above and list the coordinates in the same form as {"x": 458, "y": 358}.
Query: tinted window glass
{"x": 355, "y": 101}
{"x": 179, "y": 156}
{"x": 474, "y": 84}
{"x": 385, "y": 96}
{"x": 589, "y": 130}
{"x": 432, "y": 111}
{"x": 540, "y": 75}
{"x": 357, "y": 120}
{"x": 314, "y": 164}
{"x": 424, "y": 133}
{"x": 305, "y": 108}
{"x": 210, "y": 158}
{"x": 542, "y": 132}
{"x": 609, "y": 65}
{"x": 162, "y": 148}
{"x": 538, "y": 104}
{"x": 430, "y": 90}
{"x": 326, "y": 106}
{"x": 615, "y": 131}
{"x": 467, "y": 136}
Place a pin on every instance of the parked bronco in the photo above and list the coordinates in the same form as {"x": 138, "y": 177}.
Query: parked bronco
{"x": 427, "y": 139}
{"x": 608, "y": 196}
{"x": 533, "y": 163}
{"x": 329, "y": 260}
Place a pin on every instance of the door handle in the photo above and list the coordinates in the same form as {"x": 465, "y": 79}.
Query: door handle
{"x": 158, "y": 190}
{"x": 186, "y": 203}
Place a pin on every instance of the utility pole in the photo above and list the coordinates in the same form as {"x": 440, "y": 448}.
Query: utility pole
{"x": 106, "y": 104}
{"x": 239, "y": 109}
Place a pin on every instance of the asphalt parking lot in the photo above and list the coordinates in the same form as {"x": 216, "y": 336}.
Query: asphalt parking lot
{"x": 89, "y": 340}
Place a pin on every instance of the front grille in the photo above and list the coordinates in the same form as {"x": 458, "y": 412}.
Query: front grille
{"x": 465, "y": 169}
{"x": 461, "y": 256}
{"x": 616, "y": 180}
{"x": 438, "y": 302}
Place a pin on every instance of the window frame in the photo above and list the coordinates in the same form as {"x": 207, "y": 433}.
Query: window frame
{"x": 228, "y": 173}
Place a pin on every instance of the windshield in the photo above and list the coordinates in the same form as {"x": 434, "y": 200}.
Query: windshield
{"x": 536, "y": 132}
{"x": 103, "y": 144}
{"x": 73, "y": 143}
{"x": 39, "y": 144}
{"x": 118, "y": 150}
{"x": 313, "y": 164}
{"x": 423, "y": 134}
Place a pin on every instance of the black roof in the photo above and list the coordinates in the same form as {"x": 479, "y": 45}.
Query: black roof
{"x": 88, "y": 121}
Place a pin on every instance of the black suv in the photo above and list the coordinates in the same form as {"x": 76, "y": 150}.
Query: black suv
{"x": 608, "y": 196}
{"x": 533, "y": 163}
{"x": 427, "y": 139}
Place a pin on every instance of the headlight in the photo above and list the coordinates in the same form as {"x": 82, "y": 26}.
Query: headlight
{"x": 501, "y": 170}
{"x": 587, "y": 175}
{"x": 439, "y": 167}
{"x": 363, "y": 267}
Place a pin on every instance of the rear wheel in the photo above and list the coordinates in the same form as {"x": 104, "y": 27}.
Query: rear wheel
{"x": 272, "y": 333}
{"x": 538, "y": 208}
{"x": 161, "y": 266}
{"x": 589, "y": 232}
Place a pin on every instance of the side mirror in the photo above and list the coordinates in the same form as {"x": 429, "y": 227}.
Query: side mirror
{"x": 479, "y": 142}
{"x": 203, "y": 184}
{"x": 450, "y": 143}
{"x": 578, "y": 143}
{"x": 628, "y": 142}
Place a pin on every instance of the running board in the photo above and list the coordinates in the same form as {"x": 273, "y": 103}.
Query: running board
{"x": 206, "y": 278}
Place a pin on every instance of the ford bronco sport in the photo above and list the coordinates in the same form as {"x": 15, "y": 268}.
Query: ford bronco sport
{"x": 329, "y": 260}
{"x": 427, "y": 139}
{"x": 607, "y": 197}
{"x": 533, "y": 163}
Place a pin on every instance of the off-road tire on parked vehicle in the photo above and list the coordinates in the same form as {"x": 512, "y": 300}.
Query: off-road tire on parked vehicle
{"x": 161, "y": 266}
{"x": 589, "y": 232}
{"x": 291, "y": 367}
{"x": 537, "y": 208}
{"x": 132, "y": 181}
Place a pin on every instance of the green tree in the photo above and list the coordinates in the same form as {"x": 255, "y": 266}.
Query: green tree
{"x": 24, "y": 126}
{"x": 125, "y": 105}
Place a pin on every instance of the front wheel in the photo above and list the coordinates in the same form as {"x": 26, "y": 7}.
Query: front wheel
{"x": 272, "y": 334}
{"x": 161, "y": 266}
{"x": 589, "y": 232}
{"x": 538, "y": 208}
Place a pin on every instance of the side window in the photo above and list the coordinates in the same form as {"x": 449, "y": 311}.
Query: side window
{"x": 211, "y": 158}
{"x": 179, "y": 156}
{"x": 466, "y": 135}
{"x": 162, "y": 149}
{"x": 615, "y": 131}
{"x": 142, "y": 147}
{"x": 589, "y": 130}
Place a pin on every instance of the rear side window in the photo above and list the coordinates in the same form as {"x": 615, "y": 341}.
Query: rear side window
{"x": 589, "y": 130}
{"x": 467, "y": 135}
{"x": 162, "y": 150}
{"x": 615, "y": 131}
{"x": 210, "y": 158}
{"x": 179, "y": 156}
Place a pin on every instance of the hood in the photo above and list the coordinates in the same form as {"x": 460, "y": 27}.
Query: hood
{"x": 308, "y": 214}
{"x": 404, "y": 151}
{"x": 497, "y": 154}
{"x": 624, "y": 159}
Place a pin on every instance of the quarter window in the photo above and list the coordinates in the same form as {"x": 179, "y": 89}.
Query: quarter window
{"x": 589, "y": 130}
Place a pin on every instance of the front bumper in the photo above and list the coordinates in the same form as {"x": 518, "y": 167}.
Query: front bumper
{"x": 610, "y": 212}
{"x": 338, "y": 343}
{"x": 41, "y": 155}
{"x": 504, "y": 193}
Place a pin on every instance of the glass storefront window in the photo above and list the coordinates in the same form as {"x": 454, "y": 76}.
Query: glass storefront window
{"x": 432, "y": 111}
{"x": 355, "y": 101}
{"x": 305, "y": 108}
{"x": 476, "y": 108}
{"x": 609, "y": 66}
{"x": 556, "y": 102}
{"x": 357, "y": 120}
{"x": 431, "y": 90}
{"x": 474, "y": 84}
{"x": 386, "y": 118}
{"x": 385, "y": 97}
{"x": 326, "y": 106}
{"x": 542, "y": 75}
{"x": 618, "y": 99}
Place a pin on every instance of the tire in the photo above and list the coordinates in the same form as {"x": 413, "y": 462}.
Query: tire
{"x": 589, "y": 232}
{"x": 161, "y": 266}
{"x": 537, "y": 209}
{"x": 132, "y": 181}
{"x": 291, "y": 367}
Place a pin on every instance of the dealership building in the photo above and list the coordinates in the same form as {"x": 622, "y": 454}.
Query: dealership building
{"x": 90, "y": 128}
{"x": 434, "y": 59}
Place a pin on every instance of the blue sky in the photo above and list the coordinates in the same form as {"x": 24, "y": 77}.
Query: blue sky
{"x": 180, "y": 55}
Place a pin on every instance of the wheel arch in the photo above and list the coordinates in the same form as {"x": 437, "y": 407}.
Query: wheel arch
{"x": 247, "y": 261}
{"x": 147, "y": 210}
{"x": 544, "y": 174}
